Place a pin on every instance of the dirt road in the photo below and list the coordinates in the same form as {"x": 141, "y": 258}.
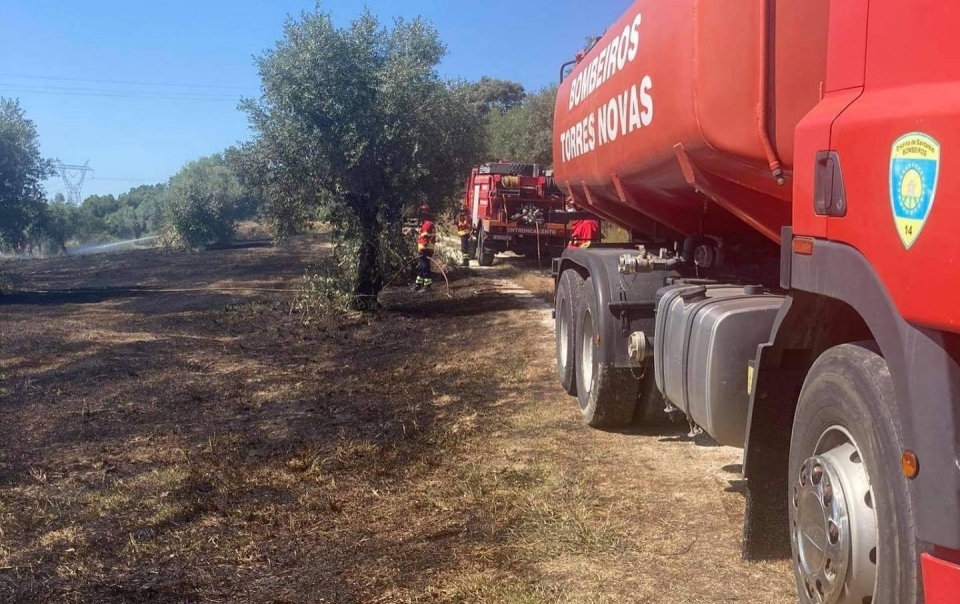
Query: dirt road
{"x": 196, "y": 446}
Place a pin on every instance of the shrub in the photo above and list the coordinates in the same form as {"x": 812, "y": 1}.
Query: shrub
{"x": 201, "y": 204}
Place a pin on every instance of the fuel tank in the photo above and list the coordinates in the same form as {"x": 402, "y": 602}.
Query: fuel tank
{"x": 681, "y": 118}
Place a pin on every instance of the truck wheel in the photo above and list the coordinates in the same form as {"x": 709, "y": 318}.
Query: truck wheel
{"x": 607, "y": 396}
{"x": 567, "y": 302}
{"x": 484, "y": 254}
{"x": 851, "y": 520}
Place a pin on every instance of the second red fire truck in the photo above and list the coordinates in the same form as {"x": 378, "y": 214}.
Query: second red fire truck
{"x": 515, "y": 207}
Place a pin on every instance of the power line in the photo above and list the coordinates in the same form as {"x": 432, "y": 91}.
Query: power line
{"x": 120, "y": 95}
{"x": 46, "y": 87}
{"x": 154, "y": 180}
{"x": 123, "y": 82}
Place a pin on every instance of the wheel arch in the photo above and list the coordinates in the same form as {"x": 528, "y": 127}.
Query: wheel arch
{"x": 837, "y": 298}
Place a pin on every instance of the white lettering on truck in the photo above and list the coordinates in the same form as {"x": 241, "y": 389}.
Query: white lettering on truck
{"x": 622, "y": 50}
{"x": 623, "y": 114}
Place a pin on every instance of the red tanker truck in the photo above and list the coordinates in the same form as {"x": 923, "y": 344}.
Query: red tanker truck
{"x": 787, "y": 170}
{"x": 512, "y": 208}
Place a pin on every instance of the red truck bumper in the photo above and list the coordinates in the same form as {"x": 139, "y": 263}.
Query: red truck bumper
{"x": 941, "y": 580}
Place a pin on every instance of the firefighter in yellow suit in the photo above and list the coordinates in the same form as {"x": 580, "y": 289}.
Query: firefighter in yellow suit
{"x": 463, "y": 230}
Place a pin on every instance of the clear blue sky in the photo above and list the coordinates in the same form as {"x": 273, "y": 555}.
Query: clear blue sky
{"x": 201, "y": 52}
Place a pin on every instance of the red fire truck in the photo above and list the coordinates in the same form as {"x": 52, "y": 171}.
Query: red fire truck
{"x": 787, "y": 171}
{"x": 512, "y": 208}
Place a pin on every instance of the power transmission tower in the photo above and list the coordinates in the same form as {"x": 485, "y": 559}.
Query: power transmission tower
{"x": 73, "y": 177}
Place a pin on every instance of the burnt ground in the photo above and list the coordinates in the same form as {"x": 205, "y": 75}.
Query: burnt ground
{"x": 173, "y": 433}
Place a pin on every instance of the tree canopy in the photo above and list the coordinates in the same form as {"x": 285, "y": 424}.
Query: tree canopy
{"x": 60, "y": 222}
{"x": 22, "y": 170}
{"x": 524, "y": 132}
{"x": 490, "y": 95}
{"x": 358, "y": 121}
{"x": 202, "y": 203}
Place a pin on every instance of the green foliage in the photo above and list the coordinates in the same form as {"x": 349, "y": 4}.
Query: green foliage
{"x": 9, "y": 282}
{"x": 201, "y": 204}
{"x": 326, "y": 289}
{"x": 22, "y": 171}
{"x": 358, "y": 121}
{"x": 489, "y": 95}
{"x": 100, "y": 206}
{"x": 286, "y": 204}
{"x": 524, "y": 133}
{"x": 139, "y": 212}
{"x": 250, "y": 205}
{"x": 60, "y": 222}
{"x": 132, "y": 215}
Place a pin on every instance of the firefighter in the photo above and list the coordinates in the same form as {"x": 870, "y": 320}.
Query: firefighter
{"x": 426, "y": 241}
{"x": 584, "y": 233}
{"x": 463, "y": 229}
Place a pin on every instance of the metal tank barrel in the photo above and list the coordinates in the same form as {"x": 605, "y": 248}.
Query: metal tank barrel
{"x": 681, "y": 118}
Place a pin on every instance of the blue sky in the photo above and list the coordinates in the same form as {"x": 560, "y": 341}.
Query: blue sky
{"x": 73, "y": 66}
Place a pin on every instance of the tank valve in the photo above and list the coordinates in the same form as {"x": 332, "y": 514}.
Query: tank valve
{"x": 638, "y": 348}
{"x": 778, "y": 176}
{"x": 631, "y": 264}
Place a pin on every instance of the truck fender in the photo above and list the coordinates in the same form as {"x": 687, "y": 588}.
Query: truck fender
{"x": 836, "y": 298}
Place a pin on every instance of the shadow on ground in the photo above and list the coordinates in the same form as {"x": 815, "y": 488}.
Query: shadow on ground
{"x": 180, "y": 448}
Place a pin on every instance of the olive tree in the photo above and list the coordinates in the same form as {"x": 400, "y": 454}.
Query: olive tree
{"x": 358, "y": 121}
{"x": 59, "y": 222}
{"x": 523, "y": 132}
{"x": 22, "y": 171}
{"x": 200, "y": 205}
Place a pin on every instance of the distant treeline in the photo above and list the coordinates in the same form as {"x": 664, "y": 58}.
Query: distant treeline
{"x": 354, "y": 126}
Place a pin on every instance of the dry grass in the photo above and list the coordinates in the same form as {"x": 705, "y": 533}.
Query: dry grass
{"x": 210, "y": 447}
{"x": 250, "y": 230}
{"x": 526, "y": 274}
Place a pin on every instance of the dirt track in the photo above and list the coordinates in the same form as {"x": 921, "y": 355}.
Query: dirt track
{"x": 210, "y": 447}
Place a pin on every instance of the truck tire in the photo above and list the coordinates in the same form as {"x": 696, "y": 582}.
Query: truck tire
{"x": 567, "y": 302}
{"x": 607, "y": 395}
{"x": 484, "y": 253}
{"x": 851, "y": 520}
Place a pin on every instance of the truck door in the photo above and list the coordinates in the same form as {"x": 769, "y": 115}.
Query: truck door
{"x": 896, "y": 144}
{"x": 819, "y": 168}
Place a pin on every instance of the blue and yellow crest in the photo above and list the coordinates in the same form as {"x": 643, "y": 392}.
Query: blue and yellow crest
{"x": 914, "y": 170}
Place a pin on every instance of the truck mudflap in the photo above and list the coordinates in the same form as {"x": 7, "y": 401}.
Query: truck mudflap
{"x": 941, "y": 580}
{"x": 923, "y": 365}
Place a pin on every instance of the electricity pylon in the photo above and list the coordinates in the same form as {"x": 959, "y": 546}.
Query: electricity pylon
{"x": 73, "y": 177}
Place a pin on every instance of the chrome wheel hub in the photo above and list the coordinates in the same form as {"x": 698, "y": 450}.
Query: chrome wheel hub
{"x": 834, "y": 526}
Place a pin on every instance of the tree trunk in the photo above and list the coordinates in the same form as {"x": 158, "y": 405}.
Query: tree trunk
{"x": 369, "y": 276}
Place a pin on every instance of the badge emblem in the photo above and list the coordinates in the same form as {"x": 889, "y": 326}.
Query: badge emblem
{"x": 914, "y": 170}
